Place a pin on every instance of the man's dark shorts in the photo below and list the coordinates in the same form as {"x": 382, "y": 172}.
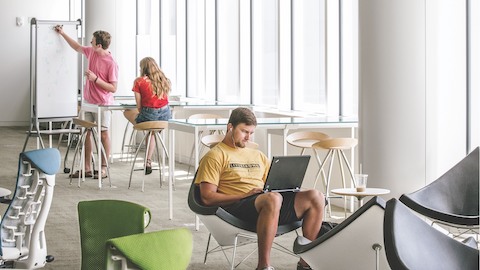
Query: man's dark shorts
{"x": 245, "y": 209}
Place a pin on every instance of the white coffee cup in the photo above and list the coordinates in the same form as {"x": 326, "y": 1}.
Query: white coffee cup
{"x": 361, "y": 182}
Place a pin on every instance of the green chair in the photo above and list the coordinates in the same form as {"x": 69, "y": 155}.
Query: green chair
{"x": 101, "y": 220}
{"x": 166, "y": 249}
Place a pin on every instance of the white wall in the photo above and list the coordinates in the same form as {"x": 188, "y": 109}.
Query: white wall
{"x": 412, "y": 91}
{"x": 15, "y": 54}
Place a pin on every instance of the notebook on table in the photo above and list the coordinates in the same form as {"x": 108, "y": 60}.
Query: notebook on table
{"x": 286, "y": 173}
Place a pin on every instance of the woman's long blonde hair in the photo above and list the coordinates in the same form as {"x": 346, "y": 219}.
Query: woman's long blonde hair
{"x": 160, "y": 83}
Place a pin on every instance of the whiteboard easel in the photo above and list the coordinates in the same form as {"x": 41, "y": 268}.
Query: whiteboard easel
{"x": 54, "y": 75}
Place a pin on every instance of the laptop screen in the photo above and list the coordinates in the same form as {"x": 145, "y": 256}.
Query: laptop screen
{"x": 286, "y": 173}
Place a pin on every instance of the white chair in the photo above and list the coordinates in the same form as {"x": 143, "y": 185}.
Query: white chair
{"x": 213, "y": 139}
{"x": 22, "y": 228}
{"x": 356, "y": 243}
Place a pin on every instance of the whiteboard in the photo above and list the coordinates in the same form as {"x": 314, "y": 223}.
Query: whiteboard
{"x": 55, "y": 70}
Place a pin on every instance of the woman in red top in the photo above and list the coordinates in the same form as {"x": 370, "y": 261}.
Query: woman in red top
{"x": 151, "y": 94}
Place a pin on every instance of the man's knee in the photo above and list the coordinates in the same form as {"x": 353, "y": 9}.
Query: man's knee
{"x": 315, "y": 197}
{"x": 104, "y": 134}
{"x": 272, "y": 200}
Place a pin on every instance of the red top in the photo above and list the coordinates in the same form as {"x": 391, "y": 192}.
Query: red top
{"x": 142, "y": 85}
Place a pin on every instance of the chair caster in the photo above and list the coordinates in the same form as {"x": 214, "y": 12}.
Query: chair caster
{"x": 66, "y": 170}
{"x": 49, "y": 258}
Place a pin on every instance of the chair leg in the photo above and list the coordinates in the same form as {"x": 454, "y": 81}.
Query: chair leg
{"x": 208, "y": 246}
{"x": 327, "y": 193}
{"x": 234, "y": 252}
{"x": 124, "y": 137}
{"x": 104, "y": 154}
{"x": 70, "y": 141}
{"x": 348, "y": 167}
{"x": 159, "y": 145}
{"x": 321, "y": 171}
{"x": 132, "y": 142}
{"x": 340, "y": 164}
{"x": 135, "y": 159}
{"x": 147, "y": 149}
{"x": 79, "y": 147}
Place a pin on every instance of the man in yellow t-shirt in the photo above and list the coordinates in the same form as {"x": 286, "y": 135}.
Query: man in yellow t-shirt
{"x": 232, "y": 176}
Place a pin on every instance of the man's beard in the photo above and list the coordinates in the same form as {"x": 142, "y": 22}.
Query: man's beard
{"x": 240, "y": 144}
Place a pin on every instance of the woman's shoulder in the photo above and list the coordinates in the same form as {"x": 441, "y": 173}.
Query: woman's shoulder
{"x": 141, "y": 79}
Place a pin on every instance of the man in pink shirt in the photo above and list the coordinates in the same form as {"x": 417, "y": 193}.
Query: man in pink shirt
{"x": 101, "y": 83}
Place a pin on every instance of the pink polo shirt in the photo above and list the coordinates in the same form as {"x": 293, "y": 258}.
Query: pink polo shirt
{"x": 105, "y": 67}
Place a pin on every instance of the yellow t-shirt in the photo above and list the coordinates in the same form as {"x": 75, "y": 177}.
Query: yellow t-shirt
{"x": 233, "y": 170}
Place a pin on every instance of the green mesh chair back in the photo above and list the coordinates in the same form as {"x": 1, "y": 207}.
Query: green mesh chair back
{"x": 101, "y": 220}
{"x": 166, "y": 249}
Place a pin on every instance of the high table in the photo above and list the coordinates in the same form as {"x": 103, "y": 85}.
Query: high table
{"x": 272, "y": 125}
{"x": 128, "y": 102}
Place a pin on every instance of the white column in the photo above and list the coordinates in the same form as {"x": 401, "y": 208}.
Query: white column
{"x": 119, "y": 19}
{"x": 412, "y": 108}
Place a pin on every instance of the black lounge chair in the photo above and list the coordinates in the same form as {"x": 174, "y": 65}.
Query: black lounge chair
{"x": 452, "y": 199}
{"x": 411, "y": 243}
{"x": 229, "y": 231}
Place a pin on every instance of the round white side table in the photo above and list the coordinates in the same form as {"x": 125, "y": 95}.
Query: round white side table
{"x": 360, "y": 194}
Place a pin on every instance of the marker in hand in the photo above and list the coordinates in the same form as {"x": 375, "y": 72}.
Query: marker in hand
{"x": 58, "y": 28}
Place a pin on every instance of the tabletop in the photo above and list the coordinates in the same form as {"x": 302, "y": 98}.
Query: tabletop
{"x": 354, "y": 192}
{"x": 334, "y": 120}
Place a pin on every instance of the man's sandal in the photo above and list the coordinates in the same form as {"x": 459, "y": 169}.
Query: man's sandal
{"x": 77, "y": 174}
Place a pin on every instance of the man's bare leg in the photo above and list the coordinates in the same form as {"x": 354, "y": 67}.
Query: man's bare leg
{"x": 268, "y": 206}
{"x": 88, "y": 152}
{"x": 105, "y": 137}
{"x": 310, "y": 205}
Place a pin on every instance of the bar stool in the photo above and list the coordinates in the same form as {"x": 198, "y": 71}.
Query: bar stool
{"x": 305, "y": 140}
{"x": 86, "y": 127}
{"x": 150, "y": 128}
{"x": 213, "y": 139}
{"x": 200, "y": 133}
{"x": 335, "y": 147}
{"x": 132, "y": 134}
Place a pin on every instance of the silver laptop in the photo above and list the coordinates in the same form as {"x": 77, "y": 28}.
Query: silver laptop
{"x": 286, "y": 173}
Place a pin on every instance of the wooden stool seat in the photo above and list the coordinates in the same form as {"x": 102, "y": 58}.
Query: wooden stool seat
{"x": 305, "y": 139}
{"x": 151, "y": 125}
{"x": 337, "y": 143}
{"x": 84, "y": 123}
